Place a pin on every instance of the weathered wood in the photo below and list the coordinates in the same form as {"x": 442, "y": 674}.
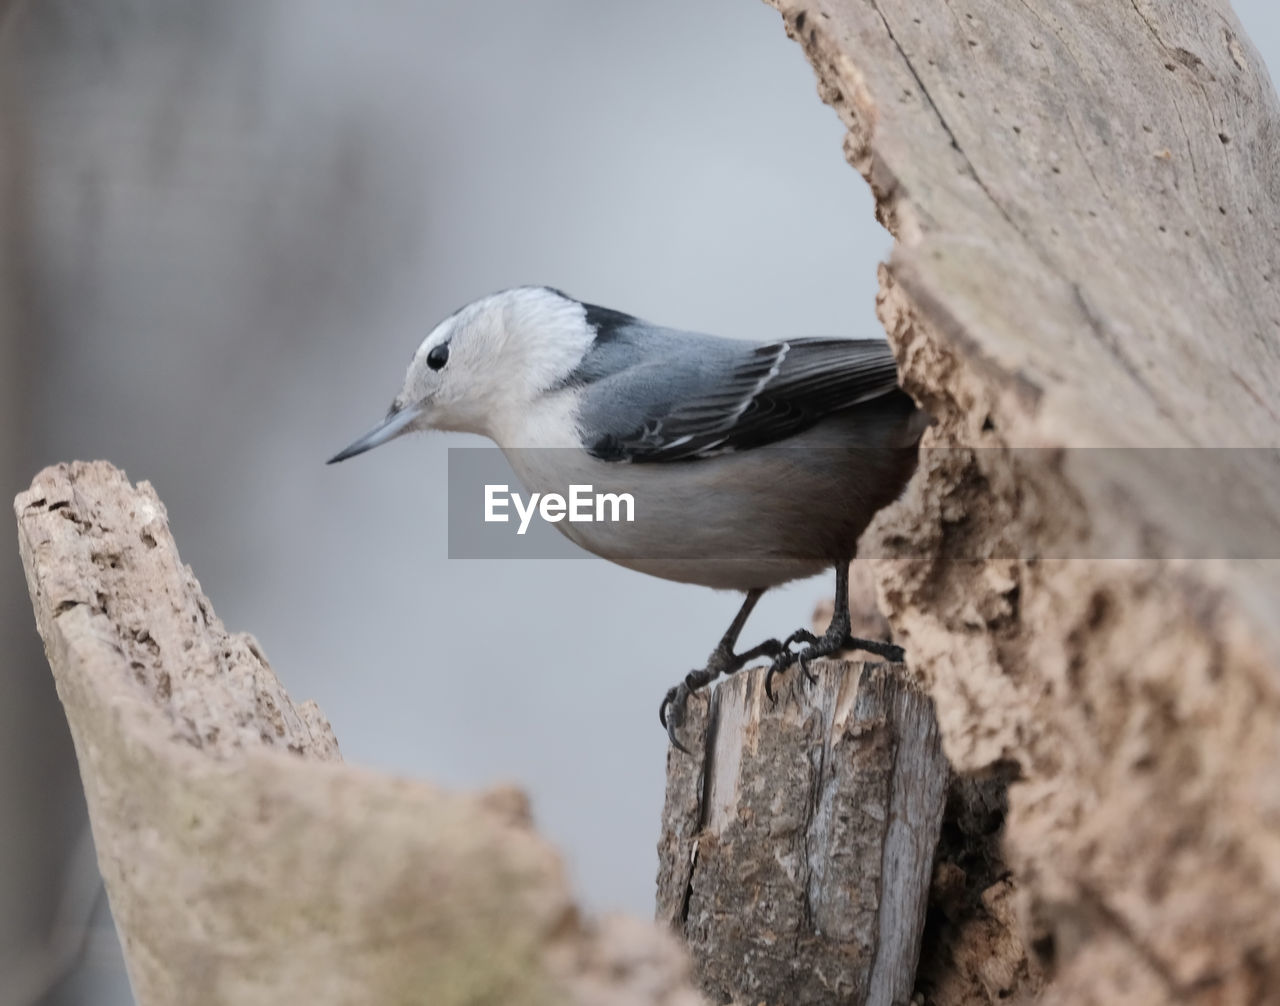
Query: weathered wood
{"x": 798, "y": 847}
{"x": 1087, "y": 211}
{"x": 244, "y": 862}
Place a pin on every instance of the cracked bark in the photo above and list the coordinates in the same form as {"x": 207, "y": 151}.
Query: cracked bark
{"x": 1087, "y": 215}
{"x": 245, "y": 863}
{"x": 798, "y": 847}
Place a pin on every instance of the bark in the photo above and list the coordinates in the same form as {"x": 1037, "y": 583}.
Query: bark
{"x": 797, "y": 849}
{"x": 244, "y": 861}
{"x": 1087, "y": 213}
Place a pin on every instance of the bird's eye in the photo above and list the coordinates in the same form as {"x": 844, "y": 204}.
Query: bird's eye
{"x": 438, "y": 356}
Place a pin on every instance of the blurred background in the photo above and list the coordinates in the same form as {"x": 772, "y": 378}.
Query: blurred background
{"x": 224, "y": 227}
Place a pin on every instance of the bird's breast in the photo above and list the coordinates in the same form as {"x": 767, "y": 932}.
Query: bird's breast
{"x": 752, "y": 519}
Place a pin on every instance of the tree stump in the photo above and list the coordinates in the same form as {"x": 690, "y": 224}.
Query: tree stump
{"x": 797, "y": 848}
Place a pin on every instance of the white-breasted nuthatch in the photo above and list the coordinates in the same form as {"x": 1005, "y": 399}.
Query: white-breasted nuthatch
{"x": 756, "y": 463}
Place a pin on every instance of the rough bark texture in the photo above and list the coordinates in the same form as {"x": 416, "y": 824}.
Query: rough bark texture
{"x": 244, "y": 862}
{"x": 1087, "y": 212}
{"x": 797, "y": 849}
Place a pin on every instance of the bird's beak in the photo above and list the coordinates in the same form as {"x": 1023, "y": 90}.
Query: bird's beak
{"x": 397, "y": 422}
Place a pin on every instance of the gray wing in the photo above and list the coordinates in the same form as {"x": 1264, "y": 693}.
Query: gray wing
{"x": 652, "y": 395}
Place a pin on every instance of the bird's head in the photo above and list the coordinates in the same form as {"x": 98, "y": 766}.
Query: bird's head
{"x": 487, "y": 367}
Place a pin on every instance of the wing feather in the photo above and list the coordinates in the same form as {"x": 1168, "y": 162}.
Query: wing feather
{"x": 771, "y": 392}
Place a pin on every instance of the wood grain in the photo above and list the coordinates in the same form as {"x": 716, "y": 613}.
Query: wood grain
{"x": 797, "y": 850}
{"x": 1086, "y": 209}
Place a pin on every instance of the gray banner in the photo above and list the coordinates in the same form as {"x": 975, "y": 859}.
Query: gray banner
{"x": 782, "y": 503}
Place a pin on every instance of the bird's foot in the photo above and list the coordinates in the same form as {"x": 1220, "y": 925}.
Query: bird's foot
{"x": 830, "y": 643}
{"x": 786, "y": 658}
{"x": 889, "y": 651}
{"x": 671, "y": 713}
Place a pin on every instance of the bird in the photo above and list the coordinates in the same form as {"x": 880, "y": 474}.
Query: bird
{"x": 754, "y": 464}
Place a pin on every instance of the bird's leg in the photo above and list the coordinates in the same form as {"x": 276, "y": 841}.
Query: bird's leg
{"x": 835, "y": 639}
{"x": 722, "y": 661}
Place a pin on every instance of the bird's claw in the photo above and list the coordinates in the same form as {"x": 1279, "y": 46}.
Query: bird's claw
{"x": 803, "y": 661}
{"x": 786, "y": 658}
{"x": 823, "y": 646}
{"x": 779, "y": 666}
{"x": 783, "y": 661}
{"x": 671, "y": 713}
